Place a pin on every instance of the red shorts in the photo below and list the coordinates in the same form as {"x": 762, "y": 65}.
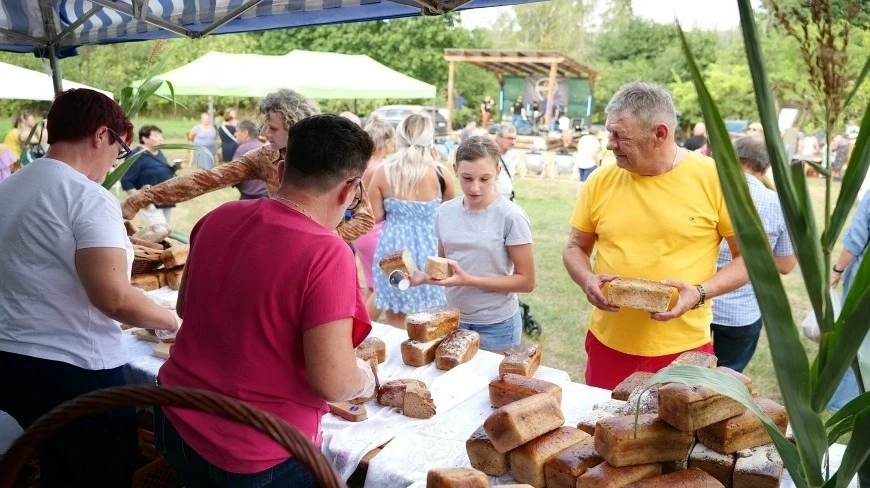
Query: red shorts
{"x": 606, "y": 367}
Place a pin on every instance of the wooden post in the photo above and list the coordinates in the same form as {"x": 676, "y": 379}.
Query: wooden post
{"x": 450, "y": 74}
{"x": 551, "y": 93}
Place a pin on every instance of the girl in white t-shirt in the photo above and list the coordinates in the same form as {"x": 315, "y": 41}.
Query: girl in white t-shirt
{"x": 488, "y": 240}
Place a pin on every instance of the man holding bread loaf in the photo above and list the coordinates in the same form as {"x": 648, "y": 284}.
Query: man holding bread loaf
{"x": 658, "y": 215}
{"x": 280, "y": 111}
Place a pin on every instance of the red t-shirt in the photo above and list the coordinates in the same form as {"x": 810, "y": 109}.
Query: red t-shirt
{"x": 258, "y": 276}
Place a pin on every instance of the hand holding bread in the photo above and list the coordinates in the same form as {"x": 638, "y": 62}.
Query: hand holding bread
{"x": 689, "y": 296}
{"x": 456, "y": 276}
{"x": 593, "y": 287}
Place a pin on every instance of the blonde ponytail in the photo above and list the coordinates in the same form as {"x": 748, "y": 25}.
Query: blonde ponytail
{"x": 406, "y": 169}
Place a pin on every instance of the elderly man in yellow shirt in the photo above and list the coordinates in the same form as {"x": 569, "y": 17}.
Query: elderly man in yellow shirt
{"x": 657, "y": 214}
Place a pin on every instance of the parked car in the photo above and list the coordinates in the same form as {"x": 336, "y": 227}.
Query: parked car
{"x": 736, "y": 128}
{"x": 395, "y": 114}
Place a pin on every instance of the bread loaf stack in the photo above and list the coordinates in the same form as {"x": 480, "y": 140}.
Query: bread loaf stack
{"x": 426, "y": 332}
{"x": 694, "y": 437}
{"x": 150, "y": 244}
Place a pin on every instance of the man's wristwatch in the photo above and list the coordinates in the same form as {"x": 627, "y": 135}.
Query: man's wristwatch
{"x": 703, "y": 299}
{"x": 838, "y": 271}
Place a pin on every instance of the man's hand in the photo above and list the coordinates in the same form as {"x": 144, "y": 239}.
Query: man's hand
{"x": 689, "y": 296}
{"x": 593, "y": 287}
{"x": 127, "y": 210}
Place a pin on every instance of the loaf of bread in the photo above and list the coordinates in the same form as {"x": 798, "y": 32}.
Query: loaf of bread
{"x": 696, "y": 358}
{"x": 417, "y": 402}
{"x": 173, "y": 277}
{"x": 650, "y": 296}
{"x": 457, "y": 347}
{"x": 431, "y": 324}
{"x": 372, "y": 347}
{"x": 484, "y": 456}
{"x": 527, "y": 461}
{"x": 511, "y": 387}
{"x": 689, "y": 408}
{"x": 628, "y": 385}
{"x": 373, "y": 363}
{"x": 146, "y": 281}
{"x": 456, "y": 478}
{"x": 416, "y": 353}
{"x": 514, "y": 485}
{"x": 523, "y": 420}
{"x": 740, "y": 376}
{"x": 522, "y": 359}
{"x": 392, "y": 393}
{"x": 153, "y": 233}
{"x": 400, "y": 260}
{"x": 175, "y": 256}
{"x": 649, "y": 400}
{"x": 654, "y": 440}
{"x": 610, "y": 408}
{"x": 563, "y": 469}
{"x": 143, "y": 243}
{"x": 743, "y": 431}
{"x": 761, "y": 469}
{"x": 438, "y": 268}
{"x": 687, "y": 478}
{"x": 717, "y": 465}
{"x": 607, "y": 476}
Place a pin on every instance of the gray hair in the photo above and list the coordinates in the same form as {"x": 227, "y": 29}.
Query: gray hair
{"x": 477, "y": 147}
{"x": 505, "y": 129}
{"x": 649, "y": 103}
{"x": 381, "y": 131}
{"x": 248, "y": 126}
{"x": 292, "y": 106}
{"x": 752, "y": 152}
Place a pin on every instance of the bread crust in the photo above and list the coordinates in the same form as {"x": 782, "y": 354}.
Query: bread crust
{"x": 687, "y": 478}
{"x": 523, "y": 420}
{"x": 522, "y": 359}
{"x": 432, "y": 323}
{"x": 646, "y": 295}
{"x": 458, "y": 347}
{"x": 655, "y": 441}
{"x": 527, "y": 461}
{"x": 509, "y": 387}
{"x": 744, "y": 431}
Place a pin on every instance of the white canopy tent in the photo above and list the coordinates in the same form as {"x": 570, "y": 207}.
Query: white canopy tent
{"x": 314, "y": 74}
{"x": 24, "y": 84}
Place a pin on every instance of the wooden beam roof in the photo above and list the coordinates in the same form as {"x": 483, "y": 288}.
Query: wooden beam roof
{"x": 511, "y": 62}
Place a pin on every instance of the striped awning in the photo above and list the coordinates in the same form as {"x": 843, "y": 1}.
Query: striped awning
{"x": 34, "y": 25}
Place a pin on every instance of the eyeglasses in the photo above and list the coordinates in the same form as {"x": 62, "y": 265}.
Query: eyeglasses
{"x": 124, "y": 149}
{"x": 357, "y": 198}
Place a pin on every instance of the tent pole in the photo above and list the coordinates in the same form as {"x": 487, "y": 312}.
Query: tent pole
{"x": 56, "y": 75}
{"x": 551, "y": 93}
{"x": 450, "y": 78}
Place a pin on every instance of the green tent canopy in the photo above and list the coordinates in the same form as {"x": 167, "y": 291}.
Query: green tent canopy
{"x": 314, "y": 74}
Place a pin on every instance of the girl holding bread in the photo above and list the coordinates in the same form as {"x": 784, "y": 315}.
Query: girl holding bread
{"x": 487, "y": 241}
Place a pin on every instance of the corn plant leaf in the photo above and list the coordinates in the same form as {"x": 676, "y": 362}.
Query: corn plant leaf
{"x": 180, "y": 237}
{"x": 864, "y": 72}
{"x": 732, "y": 387}
{"x": 856, "y": 171}
{"x": 857, "y": 451}
{"x": 818, "y": 167}
{"x": 790, "y": 361}
{"x": 841, "y": 422}
{"x": 118, "y": 173}
{"x": 799, "y": 220}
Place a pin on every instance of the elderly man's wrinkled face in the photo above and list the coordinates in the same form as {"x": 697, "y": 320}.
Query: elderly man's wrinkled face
{"x": 630, "y": 142}
{"x": 274, "y": 130}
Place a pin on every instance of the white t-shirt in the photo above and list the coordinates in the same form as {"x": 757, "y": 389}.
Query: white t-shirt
{"x": 504, "y": 185}
{"x": 588, "y": 149}
{"x": 48, "y": 211}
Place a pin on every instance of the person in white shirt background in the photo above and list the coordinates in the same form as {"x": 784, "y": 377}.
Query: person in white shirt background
{"x": 505, "y": 139}
{"x": 588, "y": 156}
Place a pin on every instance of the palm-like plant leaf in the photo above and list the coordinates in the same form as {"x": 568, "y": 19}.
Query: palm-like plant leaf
{"x": 842, "y": 422}
{"x": 118, "y": 173}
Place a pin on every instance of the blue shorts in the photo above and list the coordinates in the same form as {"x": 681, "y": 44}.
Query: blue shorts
{"x": 585, "y": 172}
{"x": 499, "y": 336}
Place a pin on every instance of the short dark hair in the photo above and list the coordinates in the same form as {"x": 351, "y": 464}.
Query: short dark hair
{"x": 323, "y": 150}
{"x": 477, "y": 147}
{"x": 77, "y": 113}
{"x": 752, "y": 152}
{"x": 146, "y": 130}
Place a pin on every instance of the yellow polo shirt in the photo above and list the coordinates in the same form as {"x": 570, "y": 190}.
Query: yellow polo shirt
{"x": 654, "y": 227}
{"x": 11, "y": 140}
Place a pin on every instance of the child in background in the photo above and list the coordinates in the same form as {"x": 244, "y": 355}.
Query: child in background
{"x": 488, "y": 240}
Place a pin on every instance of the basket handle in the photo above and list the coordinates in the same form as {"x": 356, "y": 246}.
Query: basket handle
{"x": 107, "y": 399}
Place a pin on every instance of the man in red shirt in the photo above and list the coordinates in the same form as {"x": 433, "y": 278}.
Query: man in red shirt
{"x": 272, "y": 313}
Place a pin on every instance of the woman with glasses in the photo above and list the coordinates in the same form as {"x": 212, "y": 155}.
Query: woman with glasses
{"x": 282, "y": 335}
{"x": 406, "y": 191}
{"x": 65, "y": 285}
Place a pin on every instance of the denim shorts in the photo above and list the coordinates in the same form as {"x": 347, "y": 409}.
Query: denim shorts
{"x": 499, "y": 336}
{"x": 585, "y": 172}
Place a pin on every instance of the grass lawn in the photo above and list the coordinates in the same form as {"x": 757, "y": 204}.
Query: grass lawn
{"x": 557, "y": 302}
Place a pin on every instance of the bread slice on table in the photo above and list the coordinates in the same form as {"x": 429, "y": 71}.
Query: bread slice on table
{"x": 456, "y": 478}
{"x": 410, "y": 395}
{"x": 687, "y": 478}
{"x": 511, "y": 387}
{"x": 646, "y": 295}
{"x": 458, "y": 347}
{"x": 652, "y": 440}
{"x": 432, "y": 323}
{"x": 522, "y": 359}
{"x": 392, "y": 393}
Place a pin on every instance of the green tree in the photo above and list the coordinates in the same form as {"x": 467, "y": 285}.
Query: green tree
{"x": 561, "y": 25}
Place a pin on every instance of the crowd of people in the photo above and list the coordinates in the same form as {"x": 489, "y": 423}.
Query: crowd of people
{"x": 320, "y": 195}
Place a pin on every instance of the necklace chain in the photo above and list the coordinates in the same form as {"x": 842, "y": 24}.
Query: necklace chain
{"x": 296, "y": 205}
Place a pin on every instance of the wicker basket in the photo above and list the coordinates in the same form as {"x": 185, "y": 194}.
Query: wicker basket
{"x": 146, "y": 259}
{"x": 130, "y": 396}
